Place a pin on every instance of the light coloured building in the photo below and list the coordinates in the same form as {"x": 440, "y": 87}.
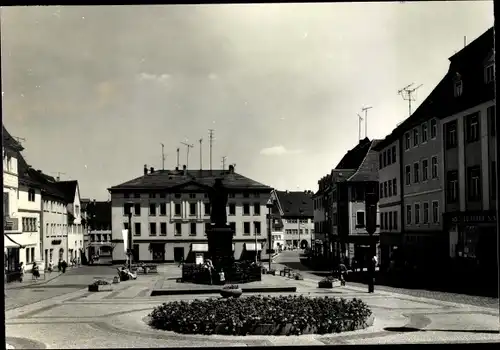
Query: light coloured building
{"x": 297, "y": 215}
{"x": 98, "y": 228}
{"x": 12, "y": 227}
{"x": 320, "y": 222}
{"x": 390, "y": 204}
{"x": 170, "y": 213}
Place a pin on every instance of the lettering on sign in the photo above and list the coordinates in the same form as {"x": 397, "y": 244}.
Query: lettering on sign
{"x": 474, "y": 219}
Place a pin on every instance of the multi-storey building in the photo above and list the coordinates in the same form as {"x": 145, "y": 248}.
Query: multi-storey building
{"x": 468, "y": 148}
{"x": 170, "y": 214}
{"x": 98, "y": 228}
{"x": 29, "y": 207}
{"x": 390, "y": 204}
{"x": 322, "y": 247}
{"x": 12, "y": 228}
{"x": 355, "y": 174}
{"x": 297, "y": 215}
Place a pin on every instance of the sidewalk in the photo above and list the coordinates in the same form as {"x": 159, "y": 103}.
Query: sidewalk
{"x": 28, "y": 281}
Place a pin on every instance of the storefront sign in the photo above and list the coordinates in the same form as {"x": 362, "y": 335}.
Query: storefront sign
{"x": 56, "y": 242}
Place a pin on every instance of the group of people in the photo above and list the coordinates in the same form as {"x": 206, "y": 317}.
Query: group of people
{"x": 62, "y": 265}
{"x": 35, "y": 270}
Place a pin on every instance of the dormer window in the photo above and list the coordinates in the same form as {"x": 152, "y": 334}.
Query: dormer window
{"x": 458, "y": 87}
{"x": 489, "y": 73}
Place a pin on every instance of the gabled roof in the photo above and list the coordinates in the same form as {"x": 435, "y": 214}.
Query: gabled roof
{"x": 368, "y": 170}
{"x": 68, "y": 189}
{"x": 353, "y": 158}
{"x": 172, "y": 179}
{"x": 295, "y": 204}
{"x": 9, "y": 142}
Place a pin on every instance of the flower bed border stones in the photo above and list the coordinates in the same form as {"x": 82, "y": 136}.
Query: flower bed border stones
{"x": 240, "y": 272}
{"x": 231, "y": 290}
{"x": 257, "y": 315}
{"x": 100, "y": 286}
{"x": 326, "y": 282}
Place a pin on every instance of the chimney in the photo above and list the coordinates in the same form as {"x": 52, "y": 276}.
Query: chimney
{"x": 145, "y": 169}
{"x": 184, "y": 170}
{"x": 151, "y": 170}
{"x": 231, "y": 169}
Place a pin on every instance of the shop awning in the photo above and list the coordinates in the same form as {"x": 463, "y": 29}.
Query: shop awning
{"x": 251, "y": 247}
{"x": 199, "y": 247}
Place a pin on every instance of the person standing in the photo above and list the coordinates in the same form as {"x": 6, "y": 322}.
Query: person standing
{"x": 64, "y": 265}
{"x": 35, "y": 271}
{"x": 21, "y": 271}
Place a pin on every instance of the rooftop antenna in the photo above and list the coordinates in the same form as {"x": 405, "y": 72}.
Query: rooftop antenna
{"x": 211, "y": 133}
{"x": 360, "y": 121}
{"x": 178, "y": 150}
{"x": 162, "y": 156}
{"x": 365, "y": 109}
{"x": 59, "y": 173}
{"x": 188, "y": 146}
{"x": 407, "y": 94}
{"x": 224, "y": 163}
{"x": 201, "y": 158}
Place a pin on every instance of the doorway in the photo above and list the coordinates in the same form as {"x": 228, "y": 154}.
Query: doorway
{"x": 158, "y": 251}
{"x": 135, "y": 253}
{"x": 178, "y": 254}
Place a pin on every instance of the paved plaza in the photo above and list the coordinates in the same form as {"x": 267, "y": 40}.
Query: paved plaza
{"x": 71, "y": 317}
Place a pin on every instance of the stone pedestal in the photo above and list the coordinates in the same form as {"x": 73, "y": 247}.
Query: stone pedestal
{"x": 220, "y": 246}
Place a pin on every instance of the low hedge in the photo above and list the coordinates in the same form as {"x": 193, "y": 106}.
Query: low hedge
{"x": 238, "y": 272}
{"x": 283, "y": 315}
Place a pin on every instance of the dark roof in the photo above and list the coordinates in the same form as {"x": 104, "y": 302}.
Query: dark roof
{"x": 9, "y": 142}
{"x": 368, "y": 170}
{"x": 24, "y": 173}
{"x": 99, "y": 214}
{"x": 292, "y": 203}
{"x": 468, "y": 64}
{"x": 353, "y": 158}
{"x": 175, "y": 179}
{"x": 68, "y": 189}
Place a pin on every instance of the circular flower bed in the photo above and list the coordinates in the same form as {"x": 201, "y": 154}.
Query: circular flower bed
{"x": 284, "y": 315}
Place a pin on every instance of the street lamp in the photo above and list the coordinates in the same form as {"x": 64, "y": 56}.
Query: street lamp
{"x": 269, "y": 207}
{"x": 371, "y": 199}
{"x": 298, "y": 225}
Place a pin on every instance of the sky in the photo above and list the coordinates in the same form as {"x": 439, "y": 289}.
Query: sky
{"x": 94, "y": 91}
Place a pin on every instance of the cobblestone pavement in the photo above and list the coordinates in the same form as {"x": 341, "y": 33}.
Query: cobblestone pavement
{"x": 292, "y": 257}
{"x": 116, "y": 318}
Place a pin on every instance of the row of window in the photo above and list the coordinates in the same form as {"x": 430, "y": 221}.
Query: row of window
{"x": 472, "y": 128}
{"x": 294, "y": 231}
{"x": 387, "y": 157}
{"x": 30, "y": 255}
{"x": 53, "y": 206}
{"x": 161, "y": 229}
{"x": 295, "y": 221}
{"x": 100, "y": 238}
{"x": 389, "y": 220}
{"x": 30, "y": 224}
{"x": 424, "y": 171}
{"x": 388, "y": 188}
{"x": 127, "y": 208}
{"x": 191, "y": 195}
{"x": 414, "y": 215}
{"x": 473, "y": 183}
{"x": 59, "y": 229}
{"x": 421, "y": 134}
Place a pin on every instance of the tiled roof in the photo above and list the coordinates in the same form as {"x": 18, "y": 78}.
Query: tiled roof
{"x": 9, "y": 142}
{"x": 353, "y": 158}
{"x": 68, "y": 188}
{"x": 292, "y": 203}
{"x": 368, "y": 170}
{"x": 167, "y": 179}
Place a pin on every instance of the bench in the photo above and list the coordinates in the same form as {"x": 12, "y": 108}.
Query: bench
{"x": 286, "y": 272}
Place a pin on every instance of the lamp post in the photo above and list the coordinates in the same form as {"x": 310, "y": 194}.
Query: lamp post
{"x": 129, "y": 235}
{"x": 298, "y": 225}
{"x": 371, "y": 199}
{"x": 269, "y": 206}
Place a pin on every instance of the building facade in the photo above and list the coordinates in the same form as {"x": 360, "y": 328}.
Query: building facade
{"x": 390, "y": 203}
{"x": 12, "y": 227}
{"x": 297, "y": 216}
{"x": 470, "y": 160}
{"x": 170, "y": 214}
{"x": 99, "y": 228}
{"x": 321, "y": 211}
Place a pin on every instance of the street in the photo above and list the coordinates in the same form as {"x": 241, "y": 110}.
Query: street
{"x": 292, "y": 260}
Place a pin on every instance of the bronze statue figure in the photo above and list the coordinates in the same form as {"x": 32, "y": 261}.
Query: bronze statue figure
{"x": 218, "y": 201}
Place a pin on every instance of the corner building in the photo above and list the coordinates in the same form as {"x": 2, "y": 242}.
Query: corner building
{"x": 171, "y": 214}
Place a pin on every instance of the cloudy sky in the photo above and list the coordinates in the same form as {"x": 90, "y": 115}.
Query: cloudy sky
{"x": 95, "y": 90}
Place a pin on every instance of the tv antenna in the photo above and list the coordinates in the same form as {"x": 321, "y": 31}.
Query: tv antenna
{"x": 59, "y": 173}
{"x": 211, "y": 133}
{"x": 162, "y": 156}
{"x": 188, "y": 146}
{"x": 407, "y": 95}
{"x": 19, "y": 139}
{"x": 365, "y": 109}
{"x": 201, "y": 158}
{"x": 224, "y": 163}
{"x": 360, "y": 121}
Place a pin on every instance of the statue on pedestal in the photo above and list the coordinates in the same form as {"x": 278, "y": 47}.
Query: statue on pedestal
{"x": 218, "y": 202}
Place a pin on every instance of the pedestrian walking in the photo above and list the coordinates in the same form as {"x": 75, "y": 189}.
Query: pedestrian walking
{"x": 21, "y": 271}
{"x": 59, "y": 265}
{"x": 64, "y": 265}
{"x": 35, "y": 271}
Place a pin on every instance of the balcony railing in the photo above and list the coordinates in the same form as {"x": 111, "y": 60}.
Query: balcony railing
{"x": 11, "y": 224}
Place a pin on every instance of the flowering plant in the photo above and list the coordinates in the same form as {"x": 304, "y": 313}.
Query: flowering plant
{"x": 283, "y": 315}
{"x": 100, "y": 283}
{"x": 230, "y": 286}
